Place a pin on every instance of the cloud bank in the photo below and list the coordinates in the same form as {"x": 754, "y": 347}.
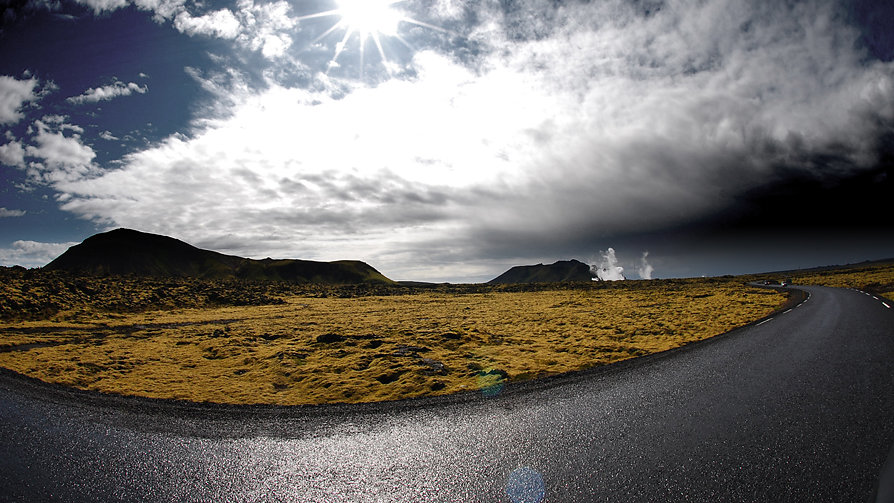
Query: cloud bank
{"x": 266, "y": 27}
{"x": 32, "y": 253}
{"x": 542, "y": 128}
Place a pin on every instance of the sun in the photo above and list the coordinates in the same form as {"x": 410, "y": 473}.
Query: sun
{"x": 369, "y": 18}
{"x": 366, "y": 20}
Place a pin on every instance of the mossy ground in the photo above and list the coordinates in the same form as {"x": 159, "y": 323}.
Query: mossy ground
{"x": 876, "y": 278}
{"x": 313, "y": 350}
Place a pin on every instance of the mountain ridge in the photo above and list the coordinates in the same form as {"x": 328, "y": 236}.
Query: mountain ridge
{"x": 124, "y": 252}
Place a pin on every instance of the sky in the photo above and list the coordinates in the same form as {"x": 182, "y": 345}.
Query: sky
{"x": 448, "y": 140}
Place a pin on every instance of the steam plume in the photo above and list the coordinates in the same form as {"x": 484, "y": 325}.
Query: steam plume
{"x": 645, "y": 269}
{"x": 608, "y": 269}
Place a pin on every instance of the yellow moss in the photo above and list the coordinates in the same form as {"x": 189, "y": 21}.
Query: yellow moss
{"x": 379, "y": 348}
{"x": 878, "y": 277}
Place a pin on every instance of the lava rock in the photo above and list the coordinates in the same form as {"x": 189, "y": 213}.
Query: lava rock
{"x": 433, "y": 367}
{"x": 410, "y": 351}
{"x": 330, "y": 337}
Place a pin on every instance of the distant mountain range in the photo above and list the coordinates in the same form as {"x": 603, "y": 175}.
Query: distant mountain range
{"x": 124, "y": 252}
{"x": 563, "y": 270}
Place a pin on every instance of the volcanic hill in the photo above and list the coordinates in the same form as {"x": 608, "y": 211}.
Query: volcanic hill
{"x": 561, "y": 271}
{"x": 125, "y": 252}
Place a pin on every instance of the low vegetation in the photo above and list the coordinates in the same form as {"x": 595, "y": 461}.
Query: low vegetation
{"x": 240, "y": 342}
{"x": 874, "y": 277}
{"x": 42, "y": 295}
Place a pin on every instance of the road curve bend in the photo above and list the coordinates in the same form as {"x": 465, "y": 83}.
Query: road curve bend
{"x": 796, "y": 408}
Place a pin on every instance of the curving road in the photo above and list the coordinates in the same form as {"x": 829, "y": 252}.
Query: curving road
{"x": 797, "y": 408}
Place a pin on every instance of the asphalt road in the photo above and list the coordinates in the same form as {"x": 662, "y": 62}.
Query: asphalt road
{"x": 798, "y": 408}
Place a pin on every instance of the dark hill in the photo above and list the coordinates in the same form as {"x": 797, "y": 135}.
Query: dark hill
{"x": 124, "y": 252}
{"x": 563, "y": 270}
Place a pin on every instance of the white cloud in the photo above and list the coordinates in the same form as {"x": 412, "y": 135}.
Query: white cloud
{"x": 32, "y": 253}
{"x": 13, "y": 94}
{"x": 5, "y": 213}
{"x": 220, "y": 23}
{"x": 162, "y": 9}
{"x": 447, "y": 9}
{"x": 100, "y": 6}
{"x": 273, "y": 46}
{"x": 591, "y": 119}
{"x": 12, "y": 154}
{"x": 63, "y": 157}
{"x": 268, "y": 27}
{"x": 108, "y": 136}
{"x": 108, "y": 92}
{"x": 385, "y": 163}
{"x": 60, "y": 122}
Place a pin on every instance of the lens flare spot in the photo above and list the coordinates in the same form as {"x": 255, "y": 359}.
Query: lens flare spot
{"x": 491, "y": 381}
{"x": 525, "y": 485}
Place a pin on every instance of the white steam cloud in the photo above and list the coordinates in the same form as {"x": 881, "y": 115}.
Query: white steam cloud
{"x": 645, "y": 269}
{"x": 608, "y": 269}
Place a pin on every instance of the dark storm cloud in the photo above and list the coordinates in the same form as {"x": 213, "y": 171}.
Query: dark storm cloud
{"x": 731, "y": 101}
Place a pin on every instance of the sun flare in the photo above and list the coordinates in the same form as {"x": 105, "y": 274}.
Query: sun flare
{"x": 369, "y": 17}
{"x": 365, "y": 21}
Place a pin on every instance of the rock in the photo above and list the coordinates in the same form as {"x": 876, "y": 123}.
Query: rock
{"x": 410, "y": 351}
{"x": 433, "y": 367}
{"x": 389, "y": 378}
{"x": 373, "y": 344}
{"x": 330, "y": 337}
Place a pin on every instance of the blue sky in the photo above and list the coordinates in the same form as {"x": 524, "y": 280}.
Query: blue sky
{"x": 447, "y": 140}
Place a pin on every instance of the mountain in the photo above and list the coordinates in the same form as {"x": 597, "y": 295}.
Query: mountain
{"x": 124, "y": 252}
{"x": 563, "y": 270}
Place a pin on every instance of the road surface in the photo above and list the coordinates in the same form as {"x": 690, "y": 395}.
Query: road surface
{"x": 797, "y": 408}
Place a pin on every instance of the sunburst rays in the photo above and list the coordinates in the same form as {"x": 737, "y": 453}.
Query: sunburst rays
{"x": 369, "y": 20}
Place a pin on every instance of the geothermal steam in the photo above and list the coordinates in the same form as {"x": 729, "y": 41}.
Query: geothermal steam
{"x": 608, "y": 269}
{"x": 645, "y": 269}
